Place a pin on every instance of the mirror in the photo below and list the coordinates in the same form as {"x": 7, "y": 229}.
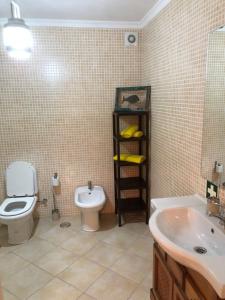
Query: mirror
{"x": 213, "y": 142}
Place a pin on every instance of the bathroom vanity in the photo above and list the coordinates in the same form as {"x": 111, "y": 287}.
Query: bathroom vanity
{"x": 173, "y": 281}
{"x": 189, "y": 250}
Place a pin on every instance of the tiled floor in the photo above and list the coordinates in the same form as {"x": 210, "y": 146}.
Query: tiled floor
{"x": 68, "y": 264}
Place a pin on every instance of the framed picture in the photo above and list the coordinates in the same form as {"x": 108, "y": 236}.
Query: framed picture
{"x": 133, "y": 98}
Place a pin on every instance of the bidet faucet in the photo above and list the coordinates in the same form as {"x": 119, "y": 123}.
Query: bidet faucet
{"x": 89, "y": 185}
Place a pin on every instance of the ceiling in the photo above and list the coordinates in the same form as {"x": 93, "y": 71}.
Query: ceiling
{"x": 96, "y": 10}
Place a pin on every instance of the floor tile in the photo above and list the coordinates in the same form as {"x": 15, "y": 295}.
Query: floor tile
{"x": 82, "y": 273}
{"x": 107, "y": 222}
{"x": 5, "y": 247}
{"x": 42, "y": 225}
{"x": 3, "y": 235}
{"x": 55, "y": 252}
{"x": 80, "y": 243}
{"x": 34, "y": 249}
{"x": 140, "y": 294}
{"x": 56, "y": 235}
{"x": 104, "y": 254}
{"x": 10, "y": 264}
{"x": 140, "y": 228}
{"x": 4, "y": 250}
{"x": 56, "y": 261}
{"x": 147, "y": 282}
{"x": 142, "y": 247}
{"x": 56, "y": 289}
{"x": 26, "y": 282}
{"x": 8, "y": 296}
{"x": 86, "y": 297}
{"x": 132, "y": 267}
{"x": 111, "y": 286}
{"x": 75, "y": 222}
{"x": 120, "y": 238}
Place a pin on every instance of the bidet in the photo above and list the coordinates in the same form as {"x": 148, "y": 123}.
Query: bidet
{"x": 90, "y": 202}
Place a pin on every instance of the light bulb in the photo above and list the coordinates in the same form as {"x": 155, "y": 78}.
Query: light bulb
{"x": 17, "y": 39}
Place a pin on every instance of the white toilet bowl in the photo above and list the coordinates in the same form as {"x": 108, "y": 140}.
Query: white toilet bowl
{"x": 90, "y": 202}
{"x": 16, "y": 211}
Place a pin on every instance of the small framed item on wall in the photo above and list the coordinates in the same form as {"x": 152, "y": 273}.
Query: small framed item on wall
{"x": 134, "y": 98}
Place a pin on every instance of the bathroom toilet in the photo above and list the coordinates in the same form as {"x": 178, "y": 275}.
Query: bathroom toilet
{"x": 16, "y": 210}
{"x": 90, "y": 202}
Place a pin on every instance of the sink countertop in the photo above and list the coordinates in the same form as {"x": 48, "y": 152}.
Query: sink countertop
{"x": 212, "y": 266}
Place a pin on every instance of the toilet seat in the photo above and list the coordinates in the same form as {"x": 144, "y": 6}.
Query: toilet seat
{"x": 16, "y": 206}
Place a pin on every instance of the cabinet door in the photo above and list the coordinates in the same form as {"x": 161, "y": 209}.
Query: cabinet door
{"x": 202, "y": 285}
{"x": 178, "y": 294}
{"x": 162, "y": 280}
{"x": 191, "y": 291}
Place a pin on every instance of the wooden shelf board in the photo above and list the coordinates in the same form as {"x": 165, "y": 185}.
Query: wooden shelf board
{"x": 129, "y": 164}
{"x": 130, "y": 113}
{"x": 131, "y": 183}
{"x": 132, "y": 139}
{"x": 132, "y": 204}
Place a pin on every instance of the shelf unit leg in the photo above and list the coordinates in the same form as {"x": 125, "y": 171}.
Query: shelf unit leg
{"x": 119, "y": 220}
{"x": 147, "y": 167}
{"x": 115, "y": 169}
{"x": 117, "y": 148}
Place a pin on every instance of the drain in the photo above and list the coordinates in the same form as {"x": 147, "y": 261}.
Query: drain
{"x": 65, "y": 224}
{"x": 200, "y": 250}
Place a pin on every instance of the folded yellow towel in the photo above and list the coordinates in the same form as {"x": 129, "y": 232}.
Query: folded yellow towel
{"x": 123, "y": 156}
{"x": 138, "y": 159}
{"x": 138, "y": 134}
{"x": 129, "y": 131}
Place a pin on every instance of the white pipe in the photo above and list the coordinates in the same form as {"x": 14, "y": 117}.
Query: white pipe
{"x": 15, "y": 10}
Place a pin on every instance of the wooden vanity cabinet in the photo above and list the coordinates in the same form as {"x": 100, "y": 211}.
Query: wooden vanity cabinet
{"x": 172, "y": 281}
{"x": 177, "y": 293}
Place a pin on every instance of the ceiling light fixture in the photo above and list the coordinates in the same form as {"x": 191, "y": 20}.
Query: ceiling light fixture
{"x": 17, "y": 37}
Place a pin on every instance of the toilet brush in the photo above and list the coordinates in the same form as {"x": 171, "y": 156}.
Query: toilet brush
{"x": 55, "y": 211}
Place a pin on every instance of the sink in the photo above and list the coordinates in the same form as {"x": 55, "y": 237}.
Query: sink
{"x": 193, "y": 239}
{"x": 187, "y": 228}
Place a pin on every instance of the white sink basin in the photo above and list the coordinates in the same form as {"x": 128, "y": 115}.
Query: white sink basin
{"x": 187, "y": 228}
{"x": 179, "y": 230}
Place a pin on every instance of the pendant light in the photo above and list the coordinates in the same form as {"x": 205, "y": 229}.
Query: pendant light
{"x": 17, "y": 37}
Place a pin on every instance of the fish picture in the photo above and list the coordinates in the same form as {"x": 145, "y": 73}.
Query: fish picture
{"x": 132, "y": 98}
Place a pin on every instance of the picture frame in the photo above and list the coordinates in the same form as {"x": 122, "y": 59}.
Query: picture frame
{"x": 134, "y": 98}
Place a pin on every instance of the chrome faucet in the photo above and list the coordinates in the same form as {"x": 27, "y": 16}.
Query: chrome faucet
{"x": 216, "y": 209}
{"x": 89, "y": 185}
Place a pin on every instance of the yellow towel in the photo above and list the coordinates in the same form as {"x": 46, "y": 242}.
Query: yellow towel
{"x": 138, "y": 159}
{"x": 129, "y": 131}
{"x": 123, "y": 156}
{"x": 138, "y": 134}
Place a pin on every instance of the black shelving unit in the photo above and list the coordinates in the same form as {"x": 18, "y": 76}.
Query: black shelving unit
{"x": 139, "y": 182}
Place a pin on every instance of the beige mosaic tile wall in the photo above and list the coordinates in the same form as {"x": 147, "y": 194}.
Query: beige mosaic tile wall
{"x": 56, "y": 108}
{"x": 213, "y": 145}
{"x": 174, "y": 62}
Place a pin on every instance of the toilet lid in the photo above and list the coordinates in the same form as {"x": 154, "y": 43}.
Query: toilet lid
{"x": 20, "y": 179}
{"x": 15, "y": 206}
